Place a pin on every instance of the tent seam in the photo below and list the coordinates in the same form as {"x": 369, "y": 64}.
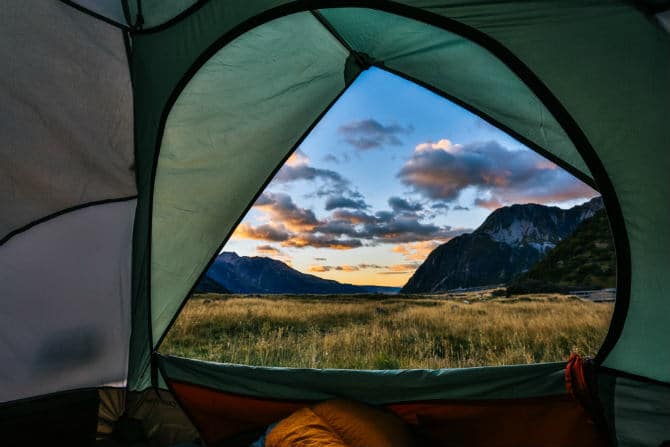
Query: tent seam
{"x": 95, "y": 15}
{"x": 626, "y": 375}
{"x": 59, "y": 213}
{"x": 58, "y": 393}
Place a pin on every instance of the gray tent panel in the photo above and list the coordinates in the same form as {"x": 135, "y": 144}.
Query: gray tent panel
{"x": 65, "y": 318}
{"x": 66, "y": 119}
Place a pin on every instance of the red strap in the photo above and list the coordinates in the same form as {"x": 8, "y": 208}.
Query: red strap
{"x": 575, "y": 379}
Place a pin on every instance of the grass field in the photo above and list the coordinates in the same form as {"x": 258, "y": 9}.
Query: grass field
{"x": 386, "y": 332}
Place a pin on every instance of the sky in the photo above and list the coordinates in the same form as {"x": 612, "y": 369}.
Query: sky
{"x": 391, "y": 172}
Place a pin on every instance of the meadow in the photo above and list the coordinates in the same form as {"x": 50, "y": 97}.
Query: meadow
{"x": 387, "y": 332}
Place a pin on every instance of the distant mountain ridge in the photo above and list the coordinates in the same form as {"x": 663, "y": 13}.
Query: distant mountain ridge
{"x": 510, "y": 241}
{"x": 244, "y": 274}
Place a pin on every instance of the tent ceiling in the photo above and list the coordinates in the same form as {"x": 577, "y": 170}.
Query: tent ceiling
{"x": 157, "y": 13}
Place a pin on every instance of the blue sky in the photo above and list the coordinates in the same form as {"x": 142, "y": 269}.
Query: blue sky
{"x": 389, "y": 173}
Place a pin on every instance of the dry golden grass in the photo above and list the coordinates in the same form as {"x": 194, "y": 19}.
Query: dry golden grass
{"x": 385, "y": 332}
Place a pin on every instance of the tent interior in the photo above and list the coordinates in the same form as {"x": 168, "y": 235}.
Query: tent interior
{"x": 137, "y": 134}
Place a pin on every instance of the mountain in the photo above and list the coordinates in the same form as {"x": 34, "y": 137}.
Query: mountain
{"x": 585, "y": 260}
{"x": 510, "y": 241}
{"x": 539, "y": 226}
{"x": 209, "y": 285}
{"x": 243, "y": 274}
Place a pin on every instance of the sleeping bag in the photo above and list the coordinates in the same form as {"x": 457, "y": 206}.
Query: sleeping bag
{"x": 340, "y": 423}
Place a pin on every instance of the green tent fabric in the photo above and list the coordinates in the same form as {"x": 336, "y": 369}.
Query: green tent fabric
{"x": 374, "y": 387}
{"x": 176, "y": 114}
{"x": 271, "y": 82}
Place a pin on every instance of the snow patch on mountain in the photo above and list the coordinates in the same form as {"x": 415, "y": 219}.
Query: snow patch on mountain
{"x": 518, "y": 232}
{"x": 542, "y": 247}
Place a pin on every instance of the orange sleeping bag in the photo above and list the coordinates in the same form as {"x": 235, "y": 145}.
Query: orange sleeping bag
{"x": 340, "y": 423}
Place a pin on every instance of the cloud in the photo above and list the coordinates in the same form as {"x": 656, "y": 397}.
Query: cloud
{"x": 269, "y": 250}
{"x": 400, "y": 269}
{"x": 331, "y": 159}
{"x": 384, "y": 216}
{"x": 321, "y": 241}
{"x": 370, "y": 266}
{"x": 440, "y": 171}
{"x": 328, "y": 268}
{"x": 370, "y": 134}
{"x": 297, "y": 167}
{"x": 461, "y": 208}
{"x": 489, "y": 204}
{"x": 293, "y": 226}
{"x": 394, "y": 269}
{"x": 340, "y": 228}
{"x": 297, "y": 158}
{"x": 345, "y": 202}
{"x": 417, "y": 251}
{"x": 443, "y": 144}
{"x": 399, "y": 205}
{"x": 332, "y": 183}
{"x": 290, "y": 173}
{"x": 265, "y": 232}
{"x": 349, "y": 226}
{"x": 402, "y": 229}
{"x": 386, "y": 226}
{"x": 353, "y": 217}
{"x": 282, "y": 211}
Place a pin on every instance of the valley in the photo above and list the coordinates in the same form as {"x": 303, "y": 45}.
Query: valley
{"x": 533, "y": 248}
{"x": 261, "y": 311}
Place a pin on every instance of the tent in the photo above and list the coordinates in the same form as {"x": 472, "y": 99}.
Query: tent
{"x": 136, "y": 133}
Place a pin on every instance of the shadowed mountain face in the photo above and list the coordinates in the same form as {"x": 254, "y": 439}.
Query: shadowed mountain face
{"x": 510, "y": 241}
{"x": 243, "y": 274}
{"x": 584, "y": 260}
{"x": 209, "y": 285}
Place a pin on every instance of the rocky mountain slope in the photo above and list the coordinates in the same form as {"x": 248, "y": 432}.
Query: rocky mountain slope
{"x": 509, "y": 242}
{"x": 585, "y": 260}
